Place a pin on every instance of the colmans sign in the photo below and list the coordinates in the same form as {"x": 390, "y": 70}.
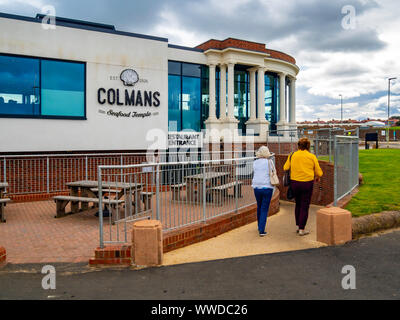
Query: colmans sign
{"x": 128, "y": 97}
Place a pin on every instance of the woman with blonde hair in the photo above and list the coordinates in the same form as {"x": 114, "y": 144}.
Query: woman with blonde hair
{"x": 304, "y": 170}
{"x": 263, "y": 189}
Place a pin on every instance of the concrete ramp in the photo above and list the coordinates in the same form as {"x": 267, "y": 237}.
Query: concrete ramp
{"x": 245, "y": 241}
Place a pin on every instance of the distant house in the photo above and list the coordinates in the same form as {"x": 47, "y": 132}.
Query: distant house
{"x": 375, "y": 124}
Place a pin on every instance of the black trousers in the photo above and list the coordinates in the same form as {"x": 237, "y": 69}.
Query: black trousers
{"x": 302, "y": 194}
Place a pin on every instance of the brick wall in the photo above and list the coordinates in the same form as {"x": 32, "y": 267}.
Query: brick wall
{"x": 30, "y": 178}
{"x": 172, "y": 240}
{"x": 246, "y": 45}
{"x": 323, "y": 192}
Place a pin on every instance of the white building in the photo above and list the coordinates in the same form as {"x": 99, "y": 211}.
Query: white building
{"x": 82, "y": 86}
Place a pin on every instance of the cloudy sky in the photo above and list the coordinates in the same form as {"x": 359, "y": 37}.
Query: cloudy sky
{"x": 348, "y": 47}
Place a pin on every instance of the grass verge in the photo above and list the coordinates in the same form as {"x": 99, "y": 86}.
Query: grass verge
{"x": 381, "y": 189}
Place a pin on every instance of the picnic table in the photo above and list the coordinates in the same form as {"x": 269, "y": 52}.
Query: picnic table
{"x": 194, "y": 184}
{"x": 3, "y": 200}
{"x": 84, "y": 191}
{"x": 89, "y": 188}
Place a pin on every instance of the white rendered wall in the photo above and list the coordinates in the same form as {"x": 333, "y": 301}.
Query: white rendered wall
{"x": 106, "y": 55}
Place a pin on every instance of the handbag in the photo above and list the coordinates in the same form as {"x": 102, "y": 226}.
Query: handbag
{"x": 272, "y": 174}
{"x": 286, "y": 175}
{"x": 290, "y": 193}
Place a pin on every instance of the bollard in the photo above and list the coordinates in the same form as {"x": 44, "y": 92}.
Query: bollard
{"x": 334, "y": 225}
{"x": 3, "y": 256}
{"x": 147, "y": 243}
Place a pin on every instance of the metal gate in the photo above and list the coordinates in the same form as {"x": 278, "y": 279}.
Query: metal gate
{"x": 346, "y": 166}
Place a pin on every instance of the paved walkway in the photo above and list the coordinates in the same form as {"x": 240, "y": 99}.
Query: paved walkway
{"x": 32, "y": 235}
{"x": 245, "y": 241}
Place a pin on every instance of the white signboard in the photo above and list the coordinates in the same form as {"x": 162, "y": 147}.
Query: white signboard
{"x": 185, "y": 139}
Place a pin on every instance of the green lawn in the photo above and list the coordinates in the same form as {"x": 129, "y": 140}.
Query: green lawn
{"x": 381, "y": 189}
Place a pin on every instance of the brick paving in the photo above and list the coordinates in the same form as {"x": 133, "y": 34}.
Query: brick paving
{"x": 32, "y": 234}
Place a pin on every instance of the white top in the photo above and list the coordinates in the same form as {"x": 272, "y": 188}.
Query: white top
{"x": 261, "y": 174}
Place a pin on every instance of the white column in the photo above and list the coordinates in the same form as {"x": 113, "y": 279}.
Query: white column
{"x": 231, "y": 91}
{"x": 222, "y": 92}
{"x": 282, "y": 101}
{"x": 211, "y": 82}
{"x": 252, "y": 95}
{"x": 292, "y": 109}
{"x": 261, "y": 94}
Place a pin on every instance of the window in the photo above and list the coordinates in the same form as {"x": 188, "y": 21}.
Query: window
{"x": 187, "y": 97}
{"x": 41, "y": 88}
{"x": 19, "y": 86}
{"x": 174, "y": 103}
{"x": 191, "y": 103}
{"x": 241, "y": 96}
{"x": 271, "y": 99}
{"x": 63, "y": 89}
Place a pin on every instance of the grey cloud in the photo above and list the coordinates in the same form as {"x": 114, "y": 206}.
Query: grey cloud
{"x": 315, "y": 24}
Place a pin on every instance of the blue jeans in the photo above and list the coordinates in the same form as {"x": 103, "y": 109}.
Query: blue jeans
{"x": 263, "y": 198}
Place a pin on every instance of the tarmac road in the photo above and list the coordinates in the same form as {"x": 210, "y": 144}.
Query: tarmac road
{"x": 306, "y": 274}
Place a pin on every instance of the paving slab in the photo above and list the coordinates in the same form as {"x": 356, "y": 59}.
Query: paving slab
{"x": 245, "y": 241}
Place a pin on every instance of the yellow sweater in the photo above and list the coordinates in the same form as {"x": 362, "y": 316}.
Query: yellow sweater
{"x": 303, "y": 166}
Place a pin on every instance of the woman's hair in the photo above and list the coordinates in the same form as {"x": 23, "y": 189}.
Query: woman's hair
{"x": 304, "y": 144}
{"x": 263, "y": 152}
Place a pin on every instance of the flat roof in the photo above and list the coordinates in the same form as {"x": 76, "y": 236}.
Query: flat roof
{"x": 83, "y": 25}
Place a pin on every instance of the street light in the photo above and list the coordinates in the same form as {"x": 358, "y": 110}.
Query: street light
{"x": 341, "y": 108}
{"x": 390, "y": 79}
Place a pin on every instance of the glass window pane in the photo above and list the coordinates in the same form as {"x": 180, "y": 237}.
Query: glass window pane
{"x": 204, "y": 71}
{"x": 19, "y": 86}
{"x": 205, "y": 99}
{"x": 63, "y": 88}
{"x": 191, "y": 103}
{"x": 174, "y": 110}
{"x": 192, "y": 70}
{"x": 174, "y": 67}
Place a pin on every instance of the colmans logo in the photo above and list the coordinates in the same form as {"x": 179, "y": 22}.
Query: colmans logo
{"x": 129, "y": 77}
{"x": 127, "y": 97}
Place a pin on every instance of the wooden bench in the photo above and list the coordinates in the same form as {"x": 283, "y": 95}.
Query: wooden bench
{"x": 219, "y": 192}
{"x": 105, "y": 191}
{"x": 176, "y": 191}
{"x": 62, "y": 201}
{"x": 3, "y": 203}
{"x": 146, "y": 199}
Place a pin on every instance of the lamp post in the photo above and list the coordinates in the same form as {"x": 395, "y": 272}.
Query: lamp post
{"x": 341, "y": 109}
{"x": 390, "y": 79}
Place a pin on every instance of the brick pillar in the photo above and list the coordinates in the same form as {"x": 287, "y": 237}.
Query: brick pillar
{"x": 147, "y": 243}
{"x": 3, "y": 256}
{"x": 334, "y": 225}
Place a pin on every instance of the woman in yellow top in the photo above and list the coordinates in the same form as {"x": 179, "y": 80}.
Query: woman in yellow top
{"x": 304, "y": 170}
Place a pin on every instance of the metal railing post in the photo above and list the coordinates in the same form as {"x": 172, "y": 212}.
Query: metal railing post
{"x": 351, "y": 173}
{"x": 335, "y": 159}
{"x": 158, "y": 191}
{"x": 86, "y": 168}
{"x": 99, "y": 179}
{"x": 204, "y": 193}
{"x": 330, "y": 145}
{"x": 47, "y": 175}
{"x": 279, "y": 143}
{"x": 236, "y": 188}
{"x": 5, "y": 169}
